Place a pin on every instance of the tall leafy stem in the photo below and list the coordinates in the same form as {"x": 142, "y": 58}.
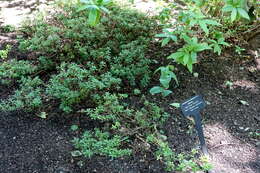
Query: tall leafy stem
{"x": 190, "y": 23}
{"x": 95, "y": 8}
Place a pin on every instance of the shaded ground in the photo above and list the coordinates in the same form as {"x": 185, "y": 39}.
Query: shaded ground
{"x": 31, "y": 145}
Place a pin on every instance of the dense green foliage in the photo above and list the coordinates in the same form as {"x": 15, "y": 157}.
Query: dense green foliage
{"x": 100, "y": 143}
{"x": 82, "y": 60}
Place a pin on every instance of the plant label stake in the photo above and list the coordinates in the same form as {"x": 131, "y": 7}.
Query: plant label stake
{"x": 192, "y": 107}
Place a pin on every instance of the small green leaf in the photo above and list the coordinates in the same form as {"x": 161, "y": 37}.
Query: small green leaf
{"x": 104, "y": 9}
{"x": 193, "y": 22}
{"x": 84, "y": 7}
{"x": 211, "y": 22}
{"x": 229, "y": 84}
{"x": 189, "y": 66}
{"x": 193, "y": 57}
{"x": 156, "y": 90}
{"x": 93, "y": 17}
{"x": 176, "y": 105}
{"x": 43, "y": 115}
{"x": 217, "y": 49}
{"x": 204, "y": 27}
{"x": 244, "y": 102}
{"x": 202, "y": 46}
{"x": 196, "y": 75}
{"x": 176, "y": 55}
{"x": 165, "y": 41}
{"x": 165, "y": 82}
{"x": 161, "y": 35}
{"x": 74, "y": 127}
{"x": 186, "y": 58}
{"x": 233, "y": 15}
{"x": 76, "y": 153}
{"x": 175, "y": 78}
{"x": 243, "y": 13}
{"x": 227, "y": 8}
{"x": 174, "y": 38}
{"x": 166, "y": 92}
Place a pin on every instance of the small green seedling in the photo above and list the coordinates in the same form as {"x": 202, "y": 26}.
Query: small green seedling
{"x": 239, "y": 50}
{"x": 43, "y": 115}
{"x": 229, "y": 84}
{"x": 76, "y": 153}
{"x": 244, "y": 102}
{"x": 166, "y": 77}
{"x": 137, "y": 92}
{"x": 74, "y": 127}
{"x": 176, "y": 105}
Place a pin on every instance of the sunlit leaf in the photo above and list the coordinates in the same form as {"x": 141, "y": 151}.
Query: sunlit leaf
{"x": 166, "y": 92}
{"x": 204, "y": 27}
{"x": 176, "y": 55}
{"x": 43, "y": 115}
{"x": 176, "y": 105}
{"x": 243, "y": 13}
{"x": 186, "y": 58}
{"x": 194, "y": 57}
{"x": 211, "y": 22}
{"x": 190, "y": 65}
{"x": 165, "y": 82}
{"x": 76, "y": 153}
{"x": 227, "y": 8}
{"x": 94, "y": 16}
{"x": 156, "y": 90}
{"x": 74, "y": 127}
{"x": 234, "y": 14}
{"x": 165, "y": 41}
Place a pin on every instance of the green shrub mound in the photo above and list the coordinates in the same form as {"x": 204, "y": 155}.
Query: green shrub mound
{"x": 79, "y": 61}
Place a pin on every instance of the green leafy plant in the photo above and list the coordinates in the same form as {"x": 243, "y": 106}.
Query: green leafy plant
{"x": 14, "y": 69}
{"x": 201, "y": 26}
{"x": 178, "y": 162}
{"x": 237, "y": 9}
{"x": 167, "y": 36}
{"x": 165, "y": 78}
{"x": 73, "y": 84}
{"x": 194, "y": 17}
{"x": 7, "y": 28}
{"x": 74, "y": 127}
{"x": 189, "y": 24}
{"x": 165, "y": 15}
{"x": 101, "y": 143}
{"x": 187, "y": 55}
{"x": 95, "y": 8}
{"x": 239, "y": 49}
{"x": 176, "y": 105}
{"x": 218, "y": 43}
{"x": 4, "y": 52}
{"x": 28, "y": 97}
{"x": 255, "y": 134}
